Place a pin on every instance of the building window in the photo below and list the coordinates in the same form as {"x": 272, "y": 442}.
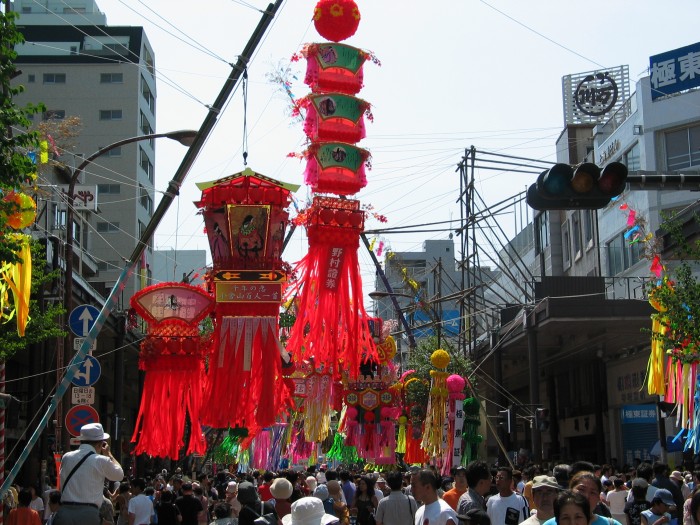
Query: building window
{"x": 73, "y": 10}
{"x": 31, "y": 78}
{"x": 622, "y": 255}
{"x": 110, "y": 114}
{"x": 588, "y": 225}
{"x": 111, "y": 78}
{"x": 146, "y": 126}
{"x": 54, "y": 114}
{"x": 145, "y": 199}
{"x": 576, "y": 234}
{"x": 54, "y": 78}
{"x": 148, "y": 60}
{"x": 146, "y": 164}
{"x": 109, "y": 189}
{"x": 107, "y": 227}
{"x": 115, "y": 152}
{"x": 631, "y": 158}
{"x": 148, "y": 96}
{"x": 683, "y": 148}
{"x": 26, "y": 9}
{"x": 566, "y": 245}
{"x": 541, "y": 232}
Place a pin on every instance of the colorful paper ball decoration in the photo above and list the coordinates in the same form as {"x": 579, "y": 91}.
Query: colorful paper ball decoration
{"x": 25, "y": 212}
{"x": 440, "y": 358}
{"x": 336, "y": 19}
{"x": 455, "y": 383}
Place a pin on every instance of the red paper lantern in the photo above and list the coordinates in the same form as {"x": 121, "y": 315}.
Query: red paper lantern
{"x": 172, "y": 355}
{"x": 332, "y": 117}
{"x": 336, "y": 167}
{"x": 336, "y": 19}
{"x": 334, "y": 68}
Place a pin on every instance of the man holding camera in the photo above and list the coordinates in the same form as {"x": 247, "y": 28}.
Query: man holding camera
{"x": 83, "y": 473}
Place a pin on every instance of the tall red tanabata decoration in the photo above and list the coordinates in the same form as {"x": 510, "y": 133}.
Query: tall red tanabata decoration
{"x": 172, "y": 355}
{"x": 331, "y": 326}
{"x": 245, "y": 218}
{"x": 336, "y": 19}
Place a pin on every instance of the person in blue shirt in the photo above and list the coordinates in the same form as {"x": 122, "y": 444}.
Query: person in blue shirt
{"x": 658, "y": 513}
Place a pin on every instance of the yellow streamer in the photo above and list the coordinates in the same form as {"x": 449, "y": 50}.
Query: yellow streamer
{"x": 18, "y": 278}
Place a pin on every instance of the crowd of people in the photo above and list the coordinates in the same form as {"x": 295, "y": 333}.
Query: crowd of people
{"x": 477, "y": 494}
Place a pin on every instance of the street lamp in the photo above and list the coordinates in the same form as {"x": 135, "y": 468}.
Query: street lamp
{"x": 184, "y": 137}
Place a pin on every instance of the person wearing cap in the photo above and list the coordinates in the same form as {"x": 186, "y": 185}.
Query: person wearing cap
{"x": 662, "y": 481}
{"x": 678, "y": 478}
{"x": 310, "y": 483}
{"x": 397, "y": 508}
{"x": 340, "y": 508}
{"x": 382, "y": 487}
{"x": 308, "y": 511}
{"x": 633, "y": 509}
{"x": 281, "y": 490}
{"x": 434, "y": 509}
{"x": 188, "y": 505}
{"x": 322, "y": 493}
{"x": 251, "y": 506}
{"x": 544, "y": 492}
{"x": 658, "y": 513}
{"x": 231, "y": 498}
{"x": 83, "y": 473}
{"x": 460, "y": 487}
{"x": 506, "y": 507}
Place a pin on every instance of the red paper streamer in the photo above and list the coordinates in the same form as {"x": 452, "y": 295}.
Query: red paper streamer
{"x": 331, "y": 324}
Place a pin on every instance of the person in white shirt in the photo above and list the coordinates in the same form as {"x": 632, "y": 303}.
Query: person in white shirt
{"x": 506, "y": 507}
{"x": 617, "y": 498}
{"x": 140, "y": 505}
{"x": 83, "y": 473}
{"x": 434, "y": 511}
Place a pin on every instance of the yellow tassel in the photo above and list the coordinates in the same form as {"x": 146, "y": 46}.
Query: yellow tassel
{"x": 401, "y": 438}
{"x": 655, "y": 368}
{"x": 18, "y": 278}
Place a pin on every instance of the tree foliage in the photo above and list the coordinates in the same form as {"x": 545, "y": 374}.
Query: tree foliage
{"x": 42, "y": 325}
{"x": 419, "y": 360}
{"x": 677, "y": 294}
{"x": 17, "y": 168}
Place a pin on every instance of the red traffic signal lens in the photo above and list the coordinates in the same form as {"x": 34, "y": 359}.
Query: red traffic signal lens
{"x": 613, "y": 179}
{"x": 557, "y": 180}
{"x": 585, "y": 177}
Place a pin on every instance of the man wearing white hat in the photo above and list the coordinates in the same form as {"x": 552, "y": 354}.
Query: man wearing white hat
{"x": 83, "y": 473}
{"x": 308, "y": 511}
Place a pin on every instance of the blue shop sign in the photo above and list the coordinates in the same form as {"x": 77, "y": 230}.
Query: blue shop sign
{"x": 638, "y": 414}
{"x": 675, "y": 71}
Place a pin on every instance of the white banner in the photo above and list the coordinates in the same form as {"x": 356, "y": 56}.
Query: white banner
{"x": 459, "y": 423}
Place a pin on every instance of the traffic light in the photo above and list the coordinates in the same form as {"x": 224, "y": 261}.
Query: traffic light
{"x": 585, "y": 188}
{"x": 542, "y": 418}
{"x": 504, "y": 419}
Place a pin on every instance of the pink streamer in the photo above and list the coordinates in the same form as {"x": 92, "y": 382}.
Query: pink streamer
{"x": 631, "y": 218}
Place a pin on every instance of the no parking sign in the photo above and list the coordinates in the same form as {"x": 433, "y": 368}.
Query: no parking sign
{"x": 78, "y": 416}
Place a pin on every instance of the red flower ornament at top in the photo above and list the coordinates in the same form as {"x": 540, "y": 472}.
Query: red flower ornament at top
{"x": 336, "y": 19}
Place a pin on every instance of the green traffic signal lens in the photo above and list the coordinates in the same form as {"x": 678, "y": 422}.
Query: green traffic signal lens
{"x": 613, "y": 179}
{"x": 585, "y": 177}
{"x": 558, "y": 179}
